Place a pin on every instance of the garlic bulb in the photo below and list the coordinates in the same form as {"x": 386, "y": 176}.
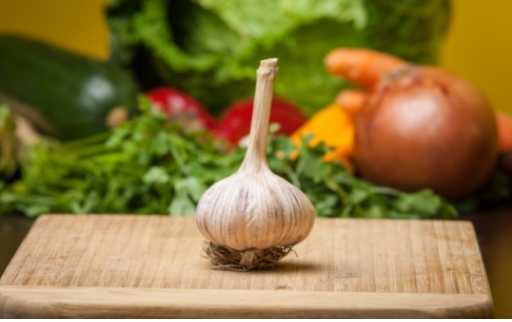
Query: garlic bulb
{"x": 253, "y": 218}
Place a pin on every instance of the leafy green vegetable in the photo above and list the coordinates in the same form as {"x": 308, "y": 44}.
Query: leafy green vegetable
{"x": 145, "y": 166}
{"x": 213, "y": 46}
{"x": 149, "y": 165}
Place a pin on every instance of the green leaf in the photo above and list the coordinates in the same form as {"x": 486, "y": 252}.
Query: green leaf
{"x": 191, "y": 186}
{"x": 181, "y": 205}
{"x": 156, "y": 175}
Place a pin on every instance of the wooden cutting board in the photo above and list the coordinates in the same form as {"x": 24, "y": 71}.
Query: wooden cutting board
{"x": 151, "y": 266}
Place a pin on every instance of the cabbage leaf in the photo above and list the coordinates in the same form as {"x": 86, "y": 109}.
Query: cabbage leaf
{"x": 210, "y": 48}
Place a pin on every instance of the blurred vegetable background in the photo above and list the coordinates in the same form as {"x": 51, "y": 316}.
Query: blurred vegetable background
{"x": 208, "y": 48}
{"x": 194, "y": 60}
{"x": 475, "y": 47}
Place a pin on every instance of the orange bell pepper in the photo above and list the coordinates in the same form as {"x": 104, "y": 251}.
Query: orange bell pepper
{"x": 333, "y": 126}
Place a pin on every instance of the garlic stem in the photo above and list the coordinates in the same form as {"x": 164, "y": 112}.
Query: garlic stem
{"x": 255, "y": 157}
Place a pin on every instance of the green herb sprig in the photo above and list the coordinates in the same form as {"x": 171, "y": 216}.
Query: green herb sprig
{"x": 152, "y": 166}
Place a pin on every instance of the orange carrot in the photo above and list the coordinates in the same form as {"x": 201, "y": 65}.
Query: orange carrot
{"x": 504, "y": 123}
{"x": 362, "y": 66}
{"x": 351, "y": 100}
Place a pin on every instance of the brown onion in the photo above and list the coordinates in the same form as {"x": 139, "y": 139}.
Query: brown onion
{"x": 426, "y": 128}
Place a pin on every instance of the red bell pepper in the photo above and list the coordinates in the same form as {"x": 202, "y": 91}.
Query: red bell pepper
{"x": 181, "y": 107}
{"x": 235, "y": 122}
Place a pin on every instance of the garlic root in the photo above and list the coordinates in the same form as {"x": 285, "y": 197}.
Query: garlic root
{"x": 222, "y": 257}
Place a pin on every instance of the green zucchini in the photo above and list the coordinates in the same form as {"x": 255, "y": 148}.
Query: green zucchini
{"x": 64, "y": 94}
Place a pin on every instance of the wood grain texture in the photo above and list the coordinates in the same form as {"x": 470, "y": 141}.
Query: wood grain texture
{"x": 152, "y": 266}
{"x": 152, "y": 303}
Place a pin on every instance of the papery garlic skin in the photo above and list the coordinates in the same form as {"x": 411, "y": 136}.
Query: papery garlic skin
{"x": 247, "y": 211}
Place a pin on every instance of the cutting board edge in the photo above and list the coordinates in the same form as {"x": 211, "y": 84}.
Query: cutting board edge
{"x": 16, "y": 301}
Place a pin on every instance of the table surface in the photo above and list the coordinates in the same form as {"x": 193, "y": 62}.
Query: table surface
{"x": 494, "y": 230}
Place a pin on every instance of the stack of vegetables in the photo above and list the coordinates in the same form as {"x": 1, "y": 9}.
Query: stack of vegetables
{"x": 399, "y": 141}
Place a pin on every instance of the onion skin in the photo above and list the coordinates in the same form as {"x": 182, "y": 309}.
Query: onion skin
{"x": 425, "y": 128}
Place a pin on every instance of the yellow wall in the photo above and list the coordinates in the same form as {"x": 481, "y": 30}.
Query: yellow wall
{"x": 478, "y": 47}
{"x": 75, "y": 24}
